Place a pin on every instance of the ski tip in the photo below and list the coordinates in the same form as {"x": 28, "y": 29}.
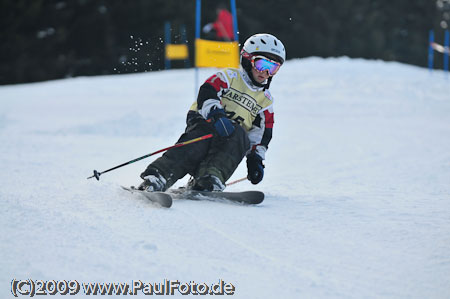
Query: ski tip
{"x": 257, "y": 197}
{"x": 161, "y": 198}
{"x": 168, "y": 204}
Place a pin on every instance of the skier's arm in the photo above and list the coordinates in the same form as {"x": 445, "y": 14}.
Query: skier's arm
{"x": 261, "y": 133}
{"x": 208, "y": 97}
{"x": 260, "y": 136}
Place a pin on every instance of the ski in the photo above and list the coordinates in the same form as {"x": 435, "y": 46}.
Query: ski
{"x": 162, "y": 198}
{"x": 245, "y": 197}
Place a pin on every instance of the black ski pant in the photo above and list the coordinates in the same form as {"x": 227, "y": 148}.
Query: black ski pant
{"x": 219, "y": 156}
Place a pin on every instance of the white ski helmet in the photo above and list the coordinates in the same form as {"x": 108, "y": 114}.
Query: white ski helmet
{"x": 265, "y": 43}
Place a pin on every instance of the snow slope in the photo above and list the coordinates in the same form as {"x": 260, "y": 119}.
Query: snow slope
{"x": 357, "y": 182}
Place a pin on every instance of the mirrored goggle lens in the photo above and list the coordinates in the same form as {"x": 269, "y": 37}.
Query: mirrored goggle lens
{"x": 262, "y": 64}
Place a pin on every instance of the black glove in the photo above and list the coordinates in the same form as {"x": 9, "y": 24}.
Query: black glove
{"x": 255, "y": 168}
{"x": 222, "y": 124}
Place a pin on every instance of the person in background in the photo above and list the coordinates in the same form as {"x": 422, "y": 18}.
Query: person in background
{"x": 222, "y": 28}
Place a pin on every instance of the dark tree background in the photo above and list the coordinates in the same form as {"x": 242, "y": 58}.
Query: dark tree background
{"x": 50, "y": 39}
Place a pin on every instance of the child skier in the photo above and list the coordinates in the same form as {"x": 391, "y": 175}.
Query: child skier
{"x": 236, "y": 106}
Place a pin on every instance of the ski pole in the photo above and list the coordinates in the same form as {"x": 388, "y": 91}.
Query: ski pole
{"x": 236, "y": 181}
{"x": 98, "y": 174}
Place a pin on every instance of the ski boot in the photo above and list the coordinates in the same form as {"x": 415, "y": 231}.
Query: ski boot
{"x": 208, "y": 183}
{"x": 153, "y": 183}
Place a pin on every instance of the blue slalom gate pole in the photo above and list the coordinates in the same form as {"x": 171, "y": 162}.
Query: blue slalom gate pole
{"x": 430, "y": 50}
{"x": 235, "y": 25}
{"x": 447, "y": 48}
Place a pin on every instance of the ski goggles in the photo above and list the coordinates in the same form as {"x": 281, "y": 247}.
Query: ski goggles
{"x": 261, "y": 64}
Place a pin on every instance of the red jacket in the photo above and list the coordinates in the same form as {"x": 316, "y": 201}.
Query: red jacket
{"x": 224, "y": 25}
